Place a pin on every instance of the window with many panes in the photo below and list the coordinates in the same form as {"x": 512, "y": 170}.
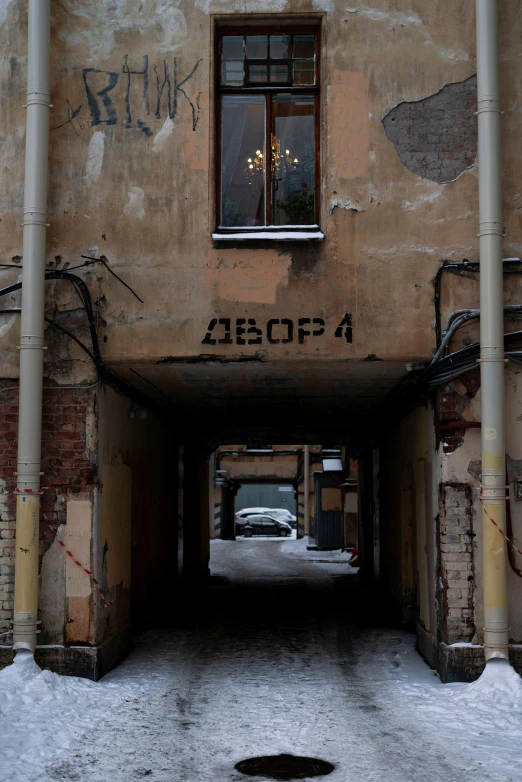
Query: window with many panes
{"x": 268, "y": 120}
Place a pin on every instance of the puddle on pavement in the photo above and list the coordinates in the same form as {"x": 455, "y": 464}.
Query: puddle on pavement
{"x": 284, "y": 767}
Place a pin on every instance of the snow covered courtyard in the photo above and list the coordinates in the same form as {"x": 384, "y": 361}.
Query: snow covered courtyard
{"x": 273, "y": 662}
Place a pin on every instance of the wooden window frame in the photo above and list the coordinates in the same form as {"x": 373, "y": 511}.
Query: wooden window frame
{"x": 268, "y": 91}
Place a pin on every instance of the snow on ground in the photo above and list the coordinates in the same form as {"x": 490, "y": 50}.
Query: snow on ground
{"x": 484, "y": 717}
{"x": 187, "y": 704}
{"x": 42, "y": 714}
{"x": 298, "y": 549}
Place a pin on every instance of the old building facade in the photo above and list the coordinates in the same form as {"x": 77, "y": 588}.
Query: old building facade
{"x": 211, "y": 316}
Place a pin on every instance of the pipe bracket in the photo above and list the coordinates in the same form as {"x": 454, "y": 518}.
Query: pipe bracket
{"x": 487, "y": 111}
{"x": 488, "y": 494}
{"x": 35, "y": 222}
{"x": 41, "y": 98}
{"x": 493, "y": 231}
{"x": 488, "y": 104}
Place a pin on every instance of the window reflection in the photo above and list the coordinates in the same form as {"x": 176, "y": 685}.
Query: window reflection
{"x": 242, "y": 160}
{"x": 304, "y": 72}
{"x": 293, "y": 160}
{"x": 257, "y": 74}
{"x": 279, "y": 73}
{"x": 253, "y": 60}
{"x": 268, "y": 95}
{"x": 256, "y": 47}
{"x": 232, "y": 47}
{"x": 280, "y": 47}
{"x": 232, "y": 73}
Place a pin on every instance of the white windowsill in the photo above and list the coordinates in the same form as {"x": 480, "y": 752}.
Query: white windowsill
{"x": 281, "y": 236}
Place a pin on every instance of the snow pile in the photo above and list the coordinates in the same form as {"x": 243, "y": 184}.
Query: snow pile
{"x": 298, "y": 548}
{"x": 43, "y": 714}
{"x": 499, "y": 684}
{"x": 495, "y": 701}
{"x": 484, "y": 716}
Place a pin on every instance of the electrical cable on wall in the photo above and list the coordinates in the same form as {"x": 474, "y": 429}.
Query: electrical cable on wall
{"x": 463, "y": 269}
{"x": 94, "y": 353}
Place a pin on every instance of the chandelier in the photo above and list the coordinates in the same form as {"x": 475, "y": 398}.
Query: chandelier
{"x": 282, "y": 163}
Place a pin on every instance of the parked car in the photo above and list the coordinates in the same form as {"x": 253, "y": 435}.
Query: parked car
{"x": 241, "y": 515}
{"x": 279, "y": 513}
{"x": 263, "y": 524}
{"x": 283, "y": 515}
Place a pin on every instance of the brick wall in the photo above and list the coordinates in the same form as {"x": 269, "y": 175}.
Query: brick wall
{"x": 453, "y": 405}
{"x": 449, "y": 408}
{"x": 67, "y": 462}
{"x": 436, "y": 137}
{"x": 456, "y": 563}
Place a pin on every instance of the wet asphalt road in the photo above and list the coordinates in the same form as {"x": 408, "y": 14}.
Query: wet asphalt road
{"x": 273, "y": 660}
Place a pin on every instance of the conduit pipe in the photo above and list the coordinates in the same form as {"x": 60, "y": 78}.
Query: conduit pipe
{"x": 491, "y": 334}
{"x": 32, "y": 327}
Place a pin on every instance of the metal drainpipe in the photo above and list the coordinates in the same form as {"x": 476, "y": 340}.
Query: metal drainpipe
{"x": 32, "y": 327}
{"x": 491, "y": 334}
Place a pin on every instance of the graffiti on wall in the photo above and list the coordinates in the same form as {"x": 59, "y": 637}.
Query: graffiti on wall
{"x": 136, "y": 95}
{"x": 169, "y": 85}
{"x": 276, "y": 331}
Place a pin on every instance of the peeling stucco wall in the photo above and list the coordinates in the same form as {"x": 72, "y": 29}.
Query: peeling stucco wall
{"x": 463, "y": 466}
{"x": 131, "y": 177}
{"x": 436, "y": 137}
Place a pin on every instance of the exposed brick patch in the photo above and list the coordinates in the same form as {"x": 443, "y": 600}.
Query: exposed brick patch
{"x": 67, "y": 463}
{"x": 436, "y": 138}
{"x": 451, "y": 405}
{"x": 456, "y": 562}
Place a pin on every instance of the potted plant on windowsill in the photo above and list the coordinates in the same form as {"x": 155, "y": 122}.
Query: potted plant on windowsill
{"x": 299, "y": 207}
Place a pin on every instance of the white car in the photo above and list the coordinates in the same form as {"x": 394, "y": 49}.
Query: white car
{"x": 283, "y": 515}
{"x": 249, "y": 511}
{"x": 280, "y": 514}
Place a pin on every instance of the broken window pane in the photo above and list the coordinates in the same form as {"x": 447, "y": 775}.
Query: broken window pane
{"x": 304, "y": 46}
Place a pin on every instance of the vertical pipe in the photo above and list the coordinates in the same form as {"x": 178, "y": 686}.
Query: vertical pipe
{"x": 306, "y": 469}
{"x": 32, "y": 327}
{"x": 491, "y": 333}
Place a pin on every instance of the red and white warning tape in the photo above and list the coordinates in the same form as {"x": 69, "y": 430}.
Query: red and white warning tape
{"x": 94, "y": 580}
{"x": 513, "y": 546}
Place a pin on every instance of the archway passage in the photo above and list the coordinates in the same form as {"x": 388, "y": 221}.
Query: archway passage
{"x": 270, "y": 645}
{"x": 218, "y": 409}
